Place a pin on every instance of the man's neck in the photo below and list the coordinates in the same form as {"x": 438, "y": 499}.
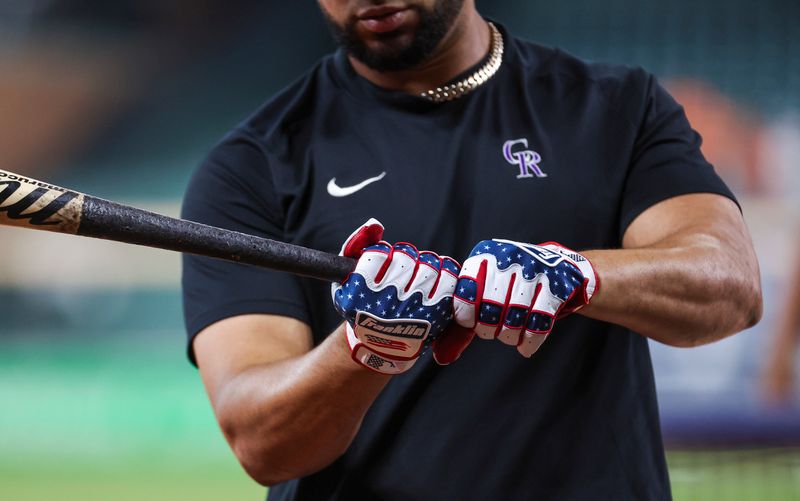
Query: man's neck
{"x": 468, "y": 41}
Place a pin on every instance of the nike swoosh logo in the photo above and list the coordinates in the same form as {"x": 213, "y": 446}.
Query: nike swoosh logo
{"x": 335, "y": 190}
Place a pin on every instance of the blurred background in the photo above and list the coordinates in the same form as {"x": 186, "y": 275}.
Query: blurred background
{"x": 123, "y": 99}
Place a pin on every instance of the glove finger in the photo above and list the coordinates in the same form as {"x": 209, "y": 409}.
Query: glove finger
{"x": 540, "y": 320}
{"x": 408, "y": 249}
{"x": 531, "y": 342}
{"x": 488, "y": 320}
{"x": 513, "y": 324}
{"x": 519, "y": 301}
{"x": 400, "y": 270}
{"x": 372, "y": 263}
{"x": 464, "y": 301}
{"x": 509, "y": 335}
{"x": 448, "y": 277}
{"x": 523, "y": 291}
{"x": 426, "y": 276}
{"x": 543, "y": 311}
{"x": 540, "y": 323}
{"x": 365, "y": 235}
{"x": 469, "y": 290}
{"x": 497, "y": 284}
{"x": 496, "y": 295}
{"x": 545, "y": 302}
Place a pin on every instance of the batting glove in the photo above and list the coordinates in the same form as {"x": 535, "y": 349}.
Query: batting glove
{"x": 514, "y": 291}
{"x": 396, "y": 301}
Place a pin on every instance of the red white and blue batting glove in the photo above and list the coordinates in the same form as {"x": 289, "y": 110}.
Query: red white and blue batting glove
{"x": 514, "y": 291}
{"x": 396, "y": 301}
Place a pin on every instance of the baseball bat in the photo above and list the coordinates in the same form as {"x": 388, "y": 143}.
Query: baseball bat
{"x": 28, "y": 203}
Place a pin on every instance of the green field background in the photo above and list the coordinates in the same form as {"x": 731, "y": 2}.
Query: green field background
{"x": 110, "y": 419}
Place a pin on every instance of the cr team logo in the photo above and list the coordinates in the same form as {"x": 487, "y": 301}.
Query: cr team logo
{"x": 527, "y": 160}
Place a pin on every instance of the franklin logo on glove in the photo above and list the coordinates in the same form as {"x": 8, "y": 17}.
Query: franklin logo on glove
{"x": 396, "y": 301}
{"x": 400, "y": 328}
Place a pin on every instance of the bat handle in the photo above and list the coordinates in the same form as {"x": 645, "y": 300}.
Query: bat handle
{"x": 326, "y": 266}
{"x": 102, "y": 220}
{"x": 42, "y": 206}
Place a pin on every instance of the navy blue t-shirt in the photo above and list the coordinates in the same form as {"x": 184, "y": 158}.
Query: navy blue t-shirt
{"x": 552, "y": 148}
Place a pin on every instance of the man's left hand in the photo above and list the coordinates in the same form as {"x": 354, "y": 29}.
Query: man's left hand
{"x": 515, "y": 291}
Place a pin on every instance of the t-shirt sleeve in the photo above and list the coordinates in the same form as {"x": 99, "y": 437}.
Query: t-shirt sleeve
{"x": 666, "y": 160}
{"x": 233, "y": 189}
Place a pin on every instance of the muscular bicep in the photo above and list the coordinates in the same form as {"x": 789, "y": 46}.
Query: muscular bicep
{"x": 230, "y": 347}
{"x": 700, "y": 215}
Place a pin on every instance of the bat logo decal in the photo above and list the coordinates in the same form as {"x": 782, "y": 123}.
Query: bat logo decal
{"x": 27, "y": 202}
{"x": 33, "y": 206}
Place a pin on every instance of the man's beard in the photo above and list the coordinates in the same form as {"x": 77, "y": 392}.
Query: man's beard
{"x": 432, "y": 27}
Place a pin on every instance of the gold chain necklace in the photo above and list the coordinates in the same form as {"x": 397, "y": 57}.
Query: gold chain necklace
{"x": 472, "y": 82}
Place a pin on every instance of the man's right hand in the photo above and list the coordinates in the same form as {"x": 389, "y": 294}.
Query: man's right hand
{"x": 396, "y": 301}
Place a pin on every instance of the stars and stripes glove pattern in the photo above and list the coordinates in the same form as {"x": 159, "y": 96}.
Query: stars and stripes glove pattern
{"x": 515, "y": 291}
{"x": 396, "y": 300}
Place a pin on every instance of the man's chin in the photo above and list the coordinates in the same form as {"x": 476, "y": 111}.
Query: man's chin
{"x": 386, "y": 63}
{"x": 393, "y": 48}
{"x": 388, "y": 54}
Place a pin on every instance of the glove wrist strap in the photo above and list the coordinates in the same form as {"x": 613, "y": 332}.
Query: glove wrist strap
{"x": 374, "y": 360}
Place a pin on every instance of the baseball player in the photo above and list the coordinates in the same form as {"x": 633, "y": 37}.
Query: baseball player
{"x": 557, "y": 211}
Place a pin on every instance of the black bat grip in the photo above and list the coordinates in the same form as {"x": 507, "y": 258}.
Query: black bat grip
{"x": 112, "y": 221}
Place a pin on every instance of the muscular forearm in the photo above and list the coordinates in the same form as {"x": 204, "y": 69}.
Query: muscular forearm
{"x": 684, "y": 291}
{"x": 293, "y": 417}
